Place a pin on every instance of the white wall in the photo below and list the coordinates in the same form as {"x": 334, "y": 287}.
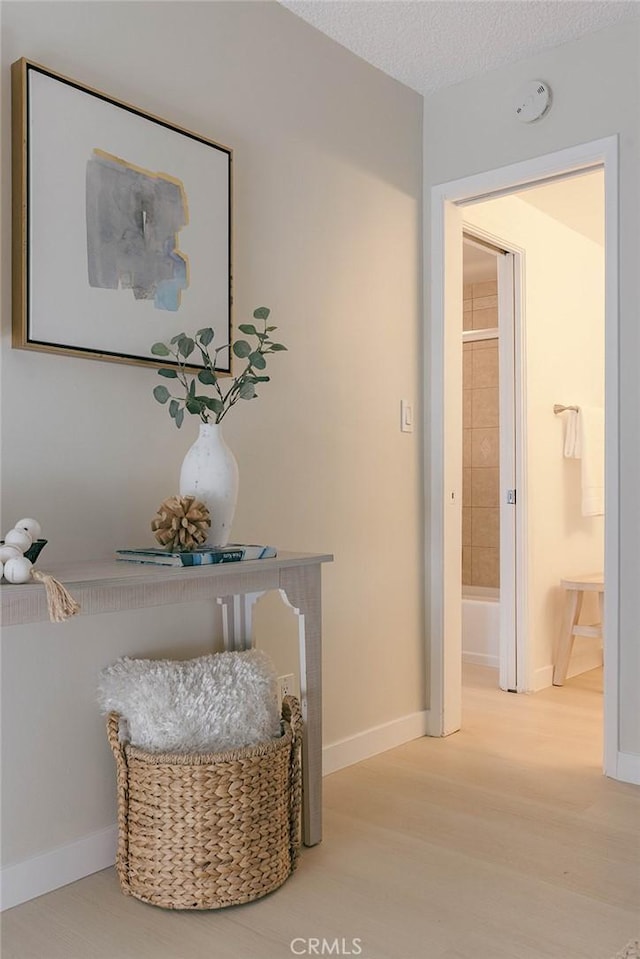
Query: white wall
{"x": 328, "y": 234}
{"x": 564, "y": 363}
{"x": 469, "y": 128}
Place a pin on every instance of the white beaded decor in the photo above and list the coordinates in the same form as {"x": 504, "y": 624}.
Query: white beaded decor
{"x": 19, "y": 538}
{"x": 14, "y": 566}
{"x": 18, "y": 570}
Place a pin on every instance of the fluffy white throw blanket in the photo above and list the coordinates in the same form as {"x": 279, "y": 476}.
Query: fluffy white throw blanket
{"x": 208, "y": 704}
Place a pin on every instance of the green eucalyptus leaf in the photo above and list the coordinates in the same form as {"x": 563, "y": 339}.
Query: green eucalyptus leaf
{"x": 194, "y": 405}
{"x": 270, "y": 329}
{"x": 241, "y": 348}
{"x": 170, "y": 374}
{"x": 248, "y": 328}
{"x": 276, "y": 347}
{"x": 207, "y": 377}
{"x": 192, "y": 388}
{"x": 247, "y": 391}
{"x": 174, "y": 406}
{"x": 205, "y": 335}
{"x": 186, "y": 346}
{"x": 212, "y": 403}
{"x": 179, "y": 417}
{"x": 261, "y": 379}
{"x": 257, "y": 359}
{"x": 161, "y": 393}
{"x": 177, "y": 338}
{"x": 262, "y": 313}
{"x": 159, "y": 349}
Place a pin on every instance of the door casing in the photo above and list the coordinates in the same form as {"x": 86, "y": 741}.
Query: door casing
{"x": 443, "y": 470}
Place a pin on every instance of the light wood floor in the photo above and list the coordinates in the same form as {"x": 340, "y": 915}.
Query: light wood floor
{"x": 503, "y": 841}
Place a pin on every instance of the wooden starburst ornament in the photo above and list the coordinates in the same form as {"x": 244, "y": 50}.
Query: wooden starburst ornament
{"x": 181, "y": 523}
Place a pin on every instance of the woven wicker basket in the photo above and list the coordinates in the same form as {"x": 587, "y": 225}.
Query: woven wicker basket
{"x": 206, "y": 831}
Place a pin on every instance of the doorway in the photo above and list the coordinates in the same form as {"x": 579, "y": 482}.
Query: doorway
{"x": 558, "y": 368}
{"x": 451, "y": 203}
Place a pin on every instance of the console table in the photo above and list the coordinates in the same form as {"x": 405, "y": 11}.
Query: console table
{"x": 112, "y": 586}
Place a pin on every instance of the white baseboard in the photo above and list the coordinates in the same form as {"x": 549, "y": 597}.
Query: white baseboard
{"x": 542, "y": 678}
{"x": 58, "y": 867}
{"x": 582, "y": 660}
{"x": 628, "y": 768}
{"x": 372, "y": 741}
{"x": 481, "y": 659}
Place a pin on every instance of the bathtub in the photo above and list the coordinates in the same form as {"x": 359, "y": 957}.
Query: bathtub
{"x": 481, "y": 625}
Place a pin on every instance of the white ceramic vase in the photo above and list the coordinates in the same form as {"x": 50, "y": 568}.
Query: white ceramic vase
{"x": 210, "y": 473}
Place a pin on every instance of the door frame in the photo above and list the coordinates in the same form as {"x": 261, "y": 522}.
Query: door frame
{"x": 447, "y": 200}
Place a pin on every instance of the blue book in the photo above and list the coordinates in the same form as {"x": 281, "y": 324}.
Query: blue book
{"x": 202, "y": 556}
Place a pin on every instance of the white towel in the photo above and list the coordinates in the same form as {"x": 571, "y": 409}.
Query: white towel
{"x": 591, "y": 453}
{"x": 572, "y": 436}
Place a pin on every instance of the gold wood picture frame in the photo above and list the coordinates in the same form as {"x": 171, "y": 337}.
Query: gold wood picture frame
{"x": 121, "y": 225}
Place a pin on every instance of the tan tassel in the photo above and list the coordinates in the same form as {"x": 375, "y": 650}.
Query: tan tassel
{"x": 61, "y": 603}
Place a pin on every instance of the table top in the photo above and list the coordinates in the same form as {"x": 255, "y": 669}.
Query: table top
{"x": 585, "y": 581}
{"x": 108, "y": 585}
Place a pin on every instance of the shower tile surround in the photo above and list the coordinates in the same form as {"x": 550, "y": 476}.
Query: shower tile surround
{"x": 480, "y": 483}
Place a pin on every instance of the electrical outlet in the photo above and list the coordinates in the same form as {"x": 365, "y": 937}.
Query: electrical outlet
{"x": 285, "y": 686}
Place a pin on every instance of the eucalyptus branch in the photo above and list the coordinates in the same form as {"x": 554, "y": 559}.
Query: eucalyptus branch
{"x": 243, "y": 386}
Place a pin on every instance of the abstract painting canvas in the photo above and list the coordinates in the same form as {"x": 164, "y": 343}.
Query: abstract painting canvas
{"x": 122, "y": 225}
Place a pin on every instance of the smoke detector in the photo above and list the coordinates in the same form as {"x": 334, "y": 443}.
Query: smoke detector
{"x": 533, "y": 101}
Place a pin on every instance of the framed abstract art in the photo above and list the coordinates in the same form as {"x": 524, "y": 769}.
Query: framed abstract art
{"x": 121, "y": 225}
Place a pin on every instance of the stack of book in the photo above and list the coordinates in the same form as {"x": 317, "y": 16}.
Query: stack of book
{"x": 202, "y": 556}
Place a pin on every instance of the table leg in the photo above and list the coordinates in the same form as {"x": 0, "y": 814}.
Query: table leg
{"x": 300, "y": 589}
{"x": 237, "y": 619}
{"x": 573, "y": 605}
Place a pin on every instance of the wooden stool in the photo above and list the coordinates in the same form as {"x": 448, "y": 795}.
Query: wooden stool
{"x": 575, "y": 590}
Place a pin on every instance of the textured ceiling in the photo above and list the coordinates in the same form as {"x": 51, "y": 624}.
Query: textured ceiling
{"x": 433, "y": 43}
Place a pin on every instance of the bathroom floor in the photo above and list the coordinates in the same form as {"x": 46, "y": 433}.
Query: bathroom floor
{"x": 563, "y": 723}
